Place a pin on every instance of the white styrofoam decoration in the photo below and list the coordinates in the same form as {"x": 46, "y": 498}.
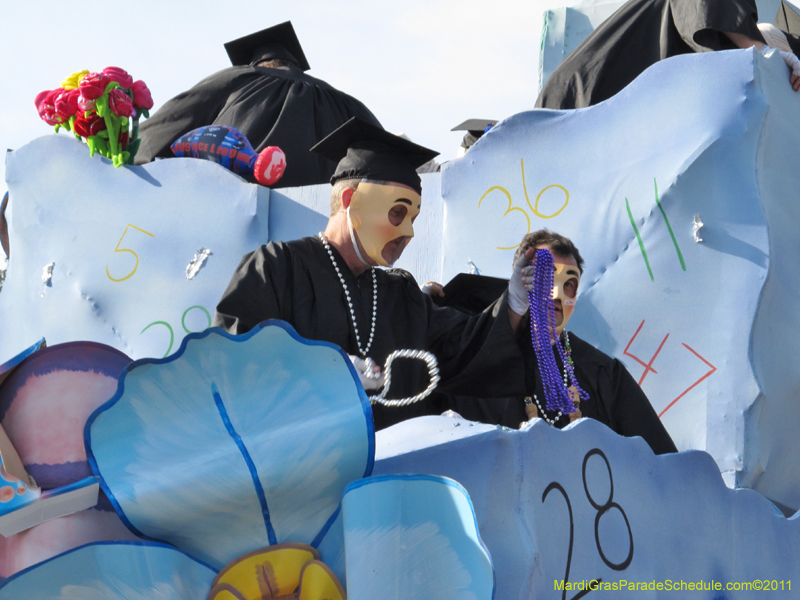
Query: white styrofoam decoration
{"x": 686, "y": 137}
{"x": 118, "y": 242}
{"x": 635, "y": 517}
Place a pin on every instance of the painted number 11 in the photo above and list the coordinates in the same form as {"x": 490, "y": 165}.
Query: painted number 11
{"x": 136, "y": 256}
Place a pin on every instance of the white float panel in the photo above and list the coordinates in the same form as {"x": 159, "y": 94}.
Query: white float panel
{"x": 585, "y": 504}
{"x": 625, "y": 180}
{"x": 101, "y": 253}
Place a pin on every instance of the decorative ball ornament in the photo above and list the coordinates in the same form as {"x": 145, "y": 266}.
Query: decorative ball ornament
{"x": 270, "y": 165}
{"x": 230, "y": 148}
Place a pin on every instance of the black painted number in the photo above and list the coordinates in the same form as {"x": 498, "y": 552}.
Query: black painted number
{"x": 601, "y": 509}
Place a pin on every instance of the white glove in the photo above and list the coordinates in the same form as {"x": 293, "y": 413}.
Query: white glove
{"x": 433, "y": 289}
{"x": 369, "y": 374}
{"x": 520, "y": 284}
{"x": 793, "y": 62}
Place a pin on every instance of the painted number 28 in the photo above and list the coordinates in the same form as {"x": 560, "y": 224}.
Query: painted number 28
{"x": 602, "y": 510}
{"x": 136, "y": 256}
{"x": 183, "y": 324}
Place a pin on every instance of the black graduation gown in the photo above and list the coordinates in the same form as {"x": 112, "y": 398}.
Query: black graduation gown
{"x": 296, "y": 282}
{"x": 272, "y": 107}
{"x": 615, "y": 399}
{"x": 636, "y": 36}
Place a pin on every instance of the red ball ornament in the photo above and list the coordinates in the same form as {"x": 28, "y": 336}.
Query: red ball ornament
{"x": 270, "y": 165}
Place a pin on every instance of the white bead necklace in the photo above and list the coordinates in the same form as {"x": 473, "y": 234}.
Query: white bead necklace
{"x": 542, "y": 414}
{"x": 361, "y": 351}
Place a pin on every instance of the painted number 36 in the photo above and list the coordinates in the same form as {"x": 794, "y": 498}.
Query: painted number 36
{"x": 533, "y": 207}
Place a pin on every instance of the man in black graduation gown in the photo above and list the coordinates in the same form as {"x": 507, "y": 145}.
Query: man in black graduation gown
{"x": 327, "y": 286}
{"x": 639, "y": 34}
{"x": 268, "y": 97}
{"x": 614, "y": 397}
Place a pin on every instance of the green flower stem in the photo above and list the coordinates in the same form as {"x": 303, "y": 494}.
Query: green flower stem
{"x": 133, "y": 137}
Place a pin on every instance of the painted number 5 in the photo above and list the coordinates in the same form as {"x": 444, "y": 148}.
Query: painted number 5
{"x": 136, "y": 256}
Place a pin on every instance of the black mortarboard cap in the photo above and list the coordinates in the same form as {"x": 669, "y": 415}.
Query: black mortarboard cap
{"x": 363, "y": 150}
{"x": 788, "y": 21}
{"x": 475, "y": 128}
{"x": 277, "y": 42}
{"x": 470, "y": 293}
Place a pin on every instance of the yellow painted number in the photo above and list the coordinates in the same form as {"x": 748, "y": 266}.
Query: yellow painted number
{"x": 534, "y": 207}
{"x": 508, "y": 210}
{"x": 136, "y": 256}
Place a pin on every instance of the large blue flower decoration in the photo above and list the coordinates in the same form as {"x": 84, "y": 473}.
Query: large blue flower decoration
{"x": 234, "y": 443}
{"x": 414, "y": 536}
{"x": 238, "y": 443}
{"x": 111, "y": 571}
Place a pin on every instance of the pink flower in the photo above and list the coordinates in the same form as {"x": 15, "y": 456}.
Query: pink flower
{"x": 66, "y": 104}
{"x": 86, "y": 126}
{"x": 45, "y": 106}
{"x": 141, "y": 95}
{"x": 84, "y": 104}
{"x": 93, "y": 85}
{"x": 120, "y": 103}
{"x": 119, "y": 75}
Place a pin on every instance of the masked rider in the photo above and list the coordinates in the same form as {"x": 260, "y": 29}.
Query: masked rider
{"x": 330, "y": 287}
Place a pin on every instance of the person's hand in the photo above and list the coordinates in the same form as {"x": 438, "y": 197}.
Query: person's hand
{"x": 521, "y": 283}
{"x": 794, "y": 65}
{"x": 369, "y": 374}
{"x": 433, "y": 289}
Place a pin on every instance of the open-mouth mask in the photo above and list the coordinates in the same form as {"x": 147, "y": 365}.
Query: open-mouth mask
{"x": 565, "y": 288}
{"x": 368, "y": 216}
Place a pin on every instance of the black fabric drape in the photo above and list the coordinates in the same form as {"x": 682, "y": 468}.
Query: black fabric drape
{"x": 638, "y": 35}
{"x": 272, "y": 107}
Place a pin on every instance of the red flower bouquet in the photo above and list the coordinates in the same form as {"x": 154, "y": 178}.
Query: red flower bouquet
{"x": 99, "y": 107}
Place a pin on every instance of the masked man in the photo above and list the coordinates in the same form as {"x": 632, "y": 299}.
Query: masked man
{"x": 328, "y": 287}
{"x": 596, "y": 385}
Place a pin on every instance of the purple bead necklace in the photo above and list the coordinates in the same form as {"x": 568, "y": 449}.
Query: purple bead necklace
{"x": 543, "y": 321}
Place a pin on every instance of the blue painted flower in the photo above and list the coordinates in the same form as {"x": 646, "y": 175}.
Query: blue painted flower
{"x": 237, "y": 443}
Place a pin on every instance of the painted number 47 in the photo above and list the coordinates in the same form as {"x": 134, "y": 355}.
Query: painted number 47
{"x": 136, "y": 256}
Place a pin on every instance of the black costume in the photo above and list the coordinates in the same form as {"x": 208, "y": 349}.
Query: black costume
{"x": 296, "y": 282}
{"x": 615, "y": 399}
{"x": 272, "y": 107}
{"x": 279, "y": 106}
{"x": 638, "y": 35}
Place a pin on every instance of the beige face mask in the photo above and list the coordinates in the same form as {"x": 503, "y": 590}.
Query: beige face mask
{"x": 368, "y": 215}
{"x": 565, "y": 288}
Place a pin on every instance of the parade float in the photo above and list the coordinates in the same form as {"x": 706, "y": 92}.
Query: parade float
{"x": 150, "y": 456}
